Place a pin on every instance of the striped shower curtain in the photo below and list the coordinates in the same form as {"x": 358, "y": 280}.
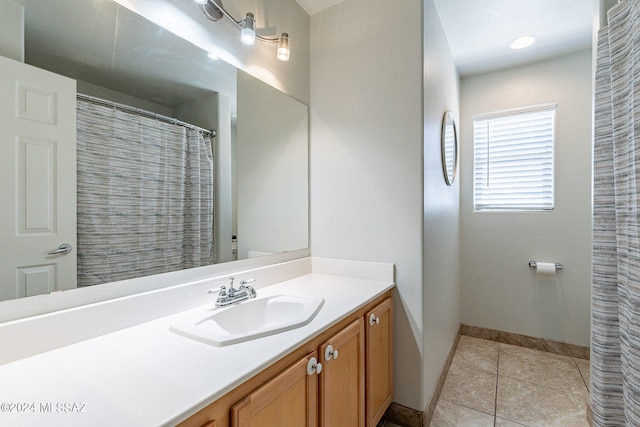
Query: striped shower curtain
{"x": 145, "y": 196}
{"x": 615, "y": 350}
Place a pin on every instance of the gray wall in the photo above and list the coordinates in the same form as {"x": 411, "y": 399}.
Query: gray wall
{"x": 441, "y": 231}
{"x": 371, "y": 139}
{"x": 11, "y": 30}
{"x": 366, "y": 149}
{"x": 499, "y": 290}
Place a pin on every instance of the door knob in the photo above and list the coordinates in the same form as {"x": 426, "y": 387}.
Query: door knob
{"x": 330, "y": 353}
{"x": 373, "y": 319}
{"x": 64, "y": 248}
{"x": 313, "y": 367}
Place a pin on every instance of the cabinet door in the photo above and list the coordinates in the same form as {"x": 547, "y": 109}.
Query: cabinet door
{"x": 288, "y": 400}
{"x": 379, "y": 361}
{"x": 342, "y": 378}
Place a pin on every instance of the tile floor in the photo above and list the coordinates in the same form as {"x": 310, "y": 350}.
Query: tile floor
{"x": 493, "y": 384}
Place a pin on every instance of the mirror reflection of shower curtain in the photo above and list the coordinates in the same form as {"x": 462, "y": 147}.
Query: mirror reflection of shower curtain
{"x": 145, "y": 196}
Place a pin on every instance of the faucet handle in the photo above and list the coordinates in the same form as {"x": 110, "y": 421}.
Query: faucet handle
{"x": 244, "y": 285}
{"x": 223, "y": 291}
{"x": 216, "y": 290}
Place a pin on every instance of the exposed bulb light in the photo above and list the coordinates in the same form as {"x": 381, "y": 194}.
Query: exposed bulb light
{"x": 522, "y": 42}
{"x": 248, "y": 31}
{"x": 283, "y": 48}
{"x": 214, "y": 11}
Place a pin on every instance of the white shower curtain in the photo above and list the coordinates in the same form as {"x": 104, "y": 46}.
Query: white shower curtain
{"x": 145, "y": 196}
{"x": 615, "y": 351}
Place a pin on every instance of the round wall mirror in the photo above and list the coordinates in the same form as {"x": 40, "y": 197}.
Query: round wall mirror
{"x": 449, "y": 147}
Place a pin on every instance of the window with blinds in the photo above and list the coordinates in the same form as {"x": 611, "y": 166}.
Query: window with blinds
{"x": 513, "y": 160}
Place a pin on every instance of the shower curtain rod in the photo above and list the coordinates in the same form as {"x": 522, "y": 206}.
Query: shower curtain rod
{"x": 144, "y": 113}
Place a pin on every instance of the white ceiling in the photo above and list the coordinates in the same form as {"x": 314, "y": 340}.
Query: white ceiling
{"x": 105, "y": 44}
{"x": 315, "y": 6}
{"x": 480, "y": 31}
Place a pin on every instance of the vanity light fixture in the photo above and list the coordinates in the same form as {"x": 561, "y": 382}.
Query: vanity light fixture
{"x": 522, "y": 42}
{"x": 248, "y": 31}
{"x": 214, "y": 11}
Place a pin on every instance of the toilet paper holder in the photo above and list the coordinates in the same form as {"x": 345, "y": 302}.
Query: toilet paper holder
{"x": 534, "y": 265}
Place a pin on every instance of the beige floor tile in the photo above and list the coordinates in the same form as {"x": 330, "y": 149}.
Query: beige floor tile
{"x": 449, "y": 414}
{"x": 506, "y": 423}
{"x": 585, "y": 369}
{"x": 539, "y": 367}
{"x": 477, "y": 353}
{"x": 471, "y": 388}
{"x": 534, "y": 405}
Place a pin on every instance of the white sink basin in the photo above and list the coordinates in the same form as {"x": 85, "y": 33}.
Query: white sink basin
{"x": 251, "y": 319}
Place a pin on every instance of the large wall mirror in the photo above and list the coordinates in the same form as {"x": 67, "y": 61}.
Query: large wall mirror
{"x": 259, "y": 154}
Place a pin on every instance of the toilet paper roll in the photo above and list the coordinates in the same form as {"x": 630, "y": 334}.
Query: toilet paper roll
{"x": 546, "y": 268}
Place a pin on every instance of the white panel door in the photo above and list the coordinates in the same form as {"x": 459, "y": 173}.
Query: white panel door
{"x": 37, "y": 180}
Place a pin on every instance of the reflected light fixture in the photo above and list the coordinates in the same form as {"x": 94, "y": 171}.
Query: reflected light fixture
{"x": 522, "y": 42}
{"x": 248, "y": 31}
{"x": 283, "y": 48}
{"x": 214, "y": 11}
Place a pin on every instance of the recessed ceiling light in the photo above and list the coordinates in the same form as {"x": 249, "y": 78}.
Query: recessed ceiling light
{"x": 522, "y": 42}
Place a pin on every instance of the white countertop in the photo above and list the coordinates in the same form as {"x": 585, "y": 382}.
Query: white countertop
{"x": 146, "y": 375}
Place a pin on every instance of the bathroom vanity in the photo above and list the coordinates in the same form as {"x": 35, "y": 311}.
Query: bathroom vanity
{"x": 341, "y": 377}
{"x": 334, "y": 370}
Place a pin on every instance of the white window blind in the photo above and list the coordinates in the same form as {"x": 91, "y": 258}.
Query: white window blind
{"x": 513, "y": 159}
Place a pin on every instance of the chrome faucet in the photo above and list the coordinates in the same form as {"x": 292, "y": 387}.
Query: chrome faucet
{"x": 232, "y": 295}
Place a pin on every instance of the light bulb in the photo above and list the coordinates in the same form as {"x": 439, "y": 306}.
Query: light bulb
{"x": 522, "y": 42}
{"x": 283, "y": 47}
{"x": 248, "y": 31}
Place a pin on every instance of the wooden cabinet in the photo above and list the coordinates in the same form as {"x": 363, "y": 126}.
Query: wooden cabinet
{"x": 379, "y": 361}
{"x": 288, "y": 400}
{"x": 349, "y": 382}
{"x": 342, "y": 378}
{"x": 291, "y": 398}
